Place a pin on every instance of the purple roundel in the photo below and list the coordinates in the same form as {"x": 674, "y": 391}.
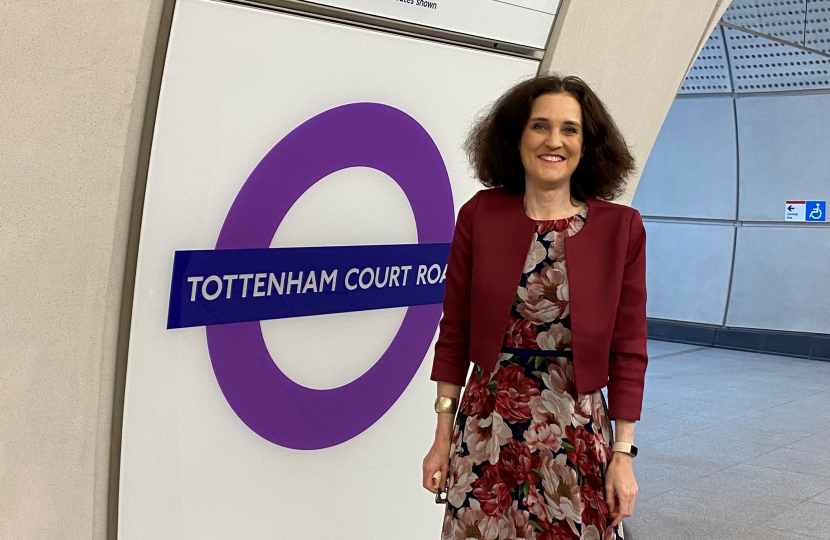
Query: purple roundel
{"x": 355, "y": 135}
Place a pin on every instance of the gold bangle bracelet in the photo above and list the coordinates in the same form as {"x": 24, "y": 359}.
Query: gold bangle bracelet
{"x": 446, "y": 404}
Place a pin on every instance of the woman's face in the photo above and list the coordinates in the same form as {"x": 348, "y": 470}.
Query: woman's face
{"x": 551, "y": 142}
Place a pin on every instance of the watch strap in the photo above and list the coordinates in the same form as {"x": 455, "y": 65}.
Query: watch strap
{"x": 626, "y": 448}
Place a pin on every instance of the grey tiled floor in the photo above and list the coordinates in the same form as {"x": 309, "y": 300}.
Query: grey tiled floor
{"x": 733, "y": 445}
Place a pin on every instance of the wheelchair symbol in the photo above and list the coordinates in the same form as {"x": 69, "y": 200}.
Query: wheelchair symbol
{"x": 816, "y": 213}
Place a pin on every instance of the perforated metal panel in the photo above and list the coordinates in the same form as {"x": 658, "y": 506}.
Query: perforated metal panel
{"x": 710, "y": 72}
{"x": 817, "y": 29}
{"x": 762, "y": 65}
{"x": 783, "y": 19}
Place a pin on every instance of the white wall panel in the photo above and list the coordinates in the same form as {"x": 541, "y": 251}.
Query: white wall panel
{"x": 692, "y": 169}
{"x": 783, "y": 151}
{"x": 781, "y": 279}
{"x": 687, "y": 270}
{"x": 236, "y": 81}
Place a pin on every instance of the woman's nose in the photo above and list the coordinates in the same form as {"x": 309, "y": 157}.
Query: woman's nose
{"x": 554, "y": 140}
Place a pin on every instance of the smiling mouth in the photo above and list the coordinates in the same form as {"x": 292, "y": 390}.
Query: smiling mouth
{"x": 552, "y": 159}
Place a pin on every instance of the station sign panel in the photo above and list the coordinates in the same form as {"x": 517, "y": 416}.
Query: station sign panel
{"x": 301, "y": 194}
{"x": 521, "y": 22}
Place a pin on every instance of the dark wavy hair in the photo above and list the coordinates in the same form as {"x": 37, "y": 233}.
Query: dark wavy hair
{"x": 493, "y": 142}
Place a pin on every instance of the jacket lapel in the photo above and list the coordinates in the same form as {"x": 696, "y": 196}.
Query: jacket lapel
{"x": 508, "y": 233}
{"x": 584, "y": 275}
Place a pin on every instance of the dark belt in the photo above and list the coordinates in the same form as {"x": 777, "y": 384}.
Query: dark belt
{"x": 536, "y": 352}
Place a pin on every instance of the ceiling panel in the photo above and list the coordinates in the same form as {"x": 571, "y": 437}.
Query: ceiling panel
{"x": 817, "y": 29}
{"x": 783, "y": 19}
{"x": 763, "y": 65}
{"x": 710, "y": 72}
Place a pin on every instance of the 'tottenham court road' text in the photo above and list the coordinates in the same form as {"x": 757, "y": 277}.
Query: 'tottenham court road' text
{"x": 225, "y": 286}
{"x": 268, "y": 283}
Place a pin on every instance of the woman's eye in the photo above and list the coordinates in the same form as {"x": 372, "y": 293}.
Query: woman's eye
{"x": 538, "y": 126}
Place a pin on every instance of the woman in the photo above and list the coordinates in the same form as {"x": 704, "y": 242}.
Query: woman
{"x": 546, "y": 329}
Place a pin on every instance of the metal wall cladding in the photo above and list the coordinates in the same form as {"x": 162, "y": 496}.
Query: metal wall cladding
{"x": 687, "y": 274}
{"x": 780, "y": 279}
{"x": 710, "y": 72}
{"x": 817, "y": 27}
{"x": 773, "y": 54}
{"x": 692, "y": 169}
{"x": 783, "y": 19}
{"x": 783, "y": 156}
{"x": 763, "y": 65}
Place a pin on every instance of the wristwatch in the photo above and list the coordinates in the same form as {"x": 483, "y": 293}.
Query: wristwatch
{"x": 624, "y": 447}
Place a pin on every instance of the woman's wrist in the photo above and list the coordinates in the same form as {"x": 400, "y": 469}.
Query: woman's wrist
{"x": 443, "y": 438}
{"x": 443, "y": 431}
{"x": 624, "y": 430}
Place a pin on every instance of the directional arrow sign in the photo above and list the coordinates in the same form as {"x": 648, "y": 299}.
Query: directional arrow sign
{"x": 795, "y": 211}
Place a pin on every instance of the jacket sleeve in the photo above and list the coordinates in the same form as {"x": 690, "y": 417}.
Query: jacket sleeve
{"x": 452, "y": 350}
{"x": 629, "y": 356}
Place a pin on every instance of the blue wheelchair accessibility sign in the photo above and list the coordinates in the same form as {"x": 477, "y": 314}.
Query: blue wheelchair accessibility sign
{"x": 816, "y": 211}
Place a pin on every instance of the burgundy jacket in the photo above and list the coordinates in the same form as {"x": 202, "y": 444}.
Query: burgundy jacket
{"x": 607, "y": 291}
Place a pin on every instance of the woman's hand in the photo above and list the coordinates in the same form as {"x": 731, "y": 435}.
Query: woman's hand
{"x": 438, "y": 457}
{"x": 620, "y": 487}
{"x": 437, "y": 460}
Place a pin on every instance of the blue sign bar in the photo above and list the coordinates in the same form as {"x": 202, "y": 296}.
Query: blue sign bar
{"x": 238, "y": 285}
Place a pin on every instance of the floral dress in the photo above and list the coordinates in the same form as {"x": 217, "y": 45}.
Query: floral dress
{"x": 529, "y": 454}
